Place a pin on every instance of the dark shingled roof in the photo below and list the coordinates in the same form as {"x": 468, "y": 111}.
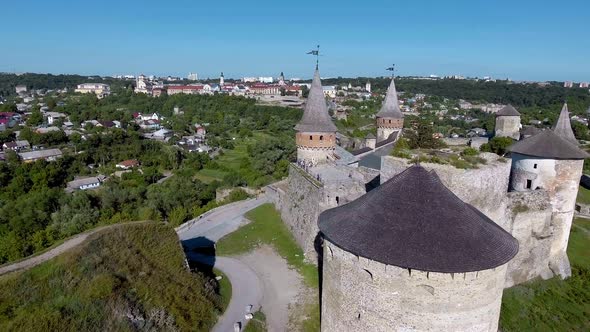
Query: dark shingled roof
{"x": 390, "y": 108}
{"x": 389, "y": 139}
{"x": 563, "y": 127}
{"x": 508, "y": 110}
{"x": 548, "y": 144}
{"x": 315, "y": 116}
{"x": 413, "y": 221}
{"x": 361, "y": 151}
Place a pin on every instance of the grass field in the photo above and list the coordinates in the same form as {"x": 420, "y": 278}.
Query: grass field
{"x": 583, "y": 195}
{"x": 268, "y": 228}
{"x": 555, "y": 304}
{"x": 209, "y": 175}
{"x": 257, "y": 323}
{"x": 225, "y": 289}
{"x": 127, "y": 278}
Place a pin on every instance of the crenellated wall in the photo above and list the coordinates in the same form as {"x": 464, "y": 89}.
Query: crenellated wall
{"x": 359, "y": 294}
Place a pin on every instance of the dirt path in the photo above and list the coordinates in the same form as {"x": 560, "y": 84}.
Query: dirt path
{"x": 281, "y": 285}
{"x": 70, "y": 243}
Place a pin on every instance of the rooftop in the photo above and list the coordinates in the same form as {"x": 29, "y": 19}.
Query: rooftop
{"x": 315, "y": 116}
{"x": 563, "y": 127}
{"x": 413, "y": 221}
{"x": 390, "y": 108}
{"x": 547, "y": 144}
{"x": 508, "y": 110}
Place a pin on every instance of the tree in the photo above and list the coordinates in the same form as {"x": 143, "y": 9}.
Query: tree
{"x": 497, "y": 145}
{"x": 35, "y": 119}
{"x": 422, "y": 137}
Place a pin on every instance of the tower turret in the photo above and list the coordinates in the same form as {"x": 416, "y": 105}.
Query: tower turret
{"x": 390, "y": 118}
{"x": 550, "y": 162}
{"x": 411, "y": 256}
{"x": 508, "y": 123}
{"x": 563, "y": 126}
{"x": 316, "y": 134}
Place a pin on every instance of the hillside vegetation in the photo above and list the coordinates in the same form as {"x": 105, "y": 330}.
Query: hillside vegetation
{"x": 127, "y": 278}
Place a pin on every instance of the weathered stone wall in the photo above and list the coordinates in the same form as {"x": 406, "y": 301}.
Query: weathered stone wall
{"x": 363, "y": 295}
{"x": 315, "y": 156}
{"x": 560, "y": 179}
{"x": 508, "y": 126}
{"x": 383, "y": 133}
{"x": 299, "y": 207}
{"x": 485, "y": 187}
{"x": 529, "y": 216}
{"x": 305, "y": 198}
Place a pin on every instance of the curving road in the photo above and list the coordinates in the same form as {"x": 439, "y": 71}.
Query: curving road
{"x": 247, "y": 288}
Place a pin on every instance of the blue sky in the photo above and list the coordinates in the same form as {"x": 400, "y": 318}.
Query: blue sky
{"x": 519, "y": 39}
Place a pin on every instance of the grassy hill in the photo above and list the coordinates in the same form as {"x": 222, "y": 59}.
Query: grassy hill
{"x": 127, "y": 278}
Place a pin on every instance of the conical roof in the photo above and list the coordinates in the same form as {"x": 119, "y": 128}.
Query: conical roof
{"x": 563, "y": 127}
{"x": 390, "y": 108}
{"x": 508, "y": 110}
{"x": 547, "y": 144}
{"x": 315, "y": 116}
{"x": 413, "y": 221}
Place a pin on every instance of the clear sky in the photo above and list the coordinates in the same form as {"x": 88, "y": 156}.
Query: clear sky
{"x": 519, "y": 39}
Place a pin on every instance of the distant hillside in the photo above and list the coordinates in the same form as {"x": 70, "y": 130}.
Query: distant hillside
{"x": 126, "y": 278}
{"x": 8, "y": 82}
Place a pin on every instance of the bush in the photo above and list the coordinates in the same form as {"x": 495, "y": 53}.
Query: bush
{"x": 469, "y": 152}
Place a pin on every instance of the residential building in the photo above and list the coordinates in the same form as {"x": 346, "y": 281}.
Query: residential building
{"x": 192, "y": 76}
{"x": 54, "y": 116}
{"x": 128, "y": 164}
{"x": 49, "y": 155}
{"x": 45, "y": 130}
{"x": 83, "y": 183}
{"x": 329, "y": 91}
{"x": 584, "y": 85}
{"x": 186, "y": 89}
{"x": 16, "y": 145}
{"x": 100, "y": 89}
{"x": 568, "y": 84}
{"x": 21, "y": 89}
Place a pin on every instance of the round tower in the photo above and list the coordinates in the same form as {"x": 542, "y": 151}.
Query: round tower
{"x": 411, "y": 256}
{"x": 316, "y": 134}
{"x": 389, "y": 118}
{"x": 221, "y": 80}
{"x": 549, "y": 161}
{"x": 508, "y": 123}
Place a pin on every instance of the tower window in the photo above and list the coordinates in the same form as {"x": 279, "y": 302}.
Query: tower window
{"x": 535, "y": 166}
{"x": 310, "y": 137}
{"x": 337, "y": 200}
{"x": 529, "y": 184}
{"x": 321, "y": 137}
{"x": 389, "y": 121}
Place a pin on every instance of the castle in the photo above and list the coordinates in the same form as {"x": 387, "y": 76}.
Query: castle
{"x": 430, "y": 246}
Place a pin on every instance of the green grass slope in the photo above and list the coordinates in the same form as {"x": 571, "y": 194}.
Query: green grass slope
{"x": 555, "y": 304}
{"x": 127, "y": 278}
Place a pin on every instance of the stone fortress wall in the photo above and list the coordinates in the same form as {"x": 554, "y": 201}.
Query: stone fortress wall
{"x": 304, "y": 198}
{"x": 359, "y": 294}
{"x": 540, "y": 220}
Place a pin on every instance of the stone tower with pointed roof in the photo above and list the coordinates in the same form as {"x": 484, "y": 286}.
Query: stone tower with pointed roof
{"x": 316, "y": 133}
{"x": 411, "y": 256}
{"x": 563, "y": 126}
{"x": 389, "y": 118}
{"x": 552, "y": 161}
{"x": 508, "y": 123}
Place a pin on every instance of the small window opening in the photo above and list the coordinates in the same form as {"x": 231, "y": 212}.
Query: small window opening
{"x": 337, "y": 200}
{"x": 321, "y": 137}
{"x": 535, "y": 166}
{"x": 310, "y": 138}
{"x": 529, "y": 184}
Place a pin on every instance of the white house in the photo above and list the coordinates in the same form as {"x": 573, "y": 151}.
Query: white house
{"x": 83, "y": 183}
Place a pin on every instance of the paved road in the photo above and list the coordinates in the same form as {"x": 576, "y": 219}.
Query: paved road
{"x": 246, "y": 286}
{"x": 60, "y": 249}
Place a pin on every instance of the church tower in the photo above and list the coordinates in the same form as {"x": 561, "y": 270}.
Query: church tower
{"x": 368, "y": 87}
{"x": 221, "y": 80}
{"x": 390, "y": 118}
{"x": 316, "y": 134}
{"x": 282, "y": 79}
